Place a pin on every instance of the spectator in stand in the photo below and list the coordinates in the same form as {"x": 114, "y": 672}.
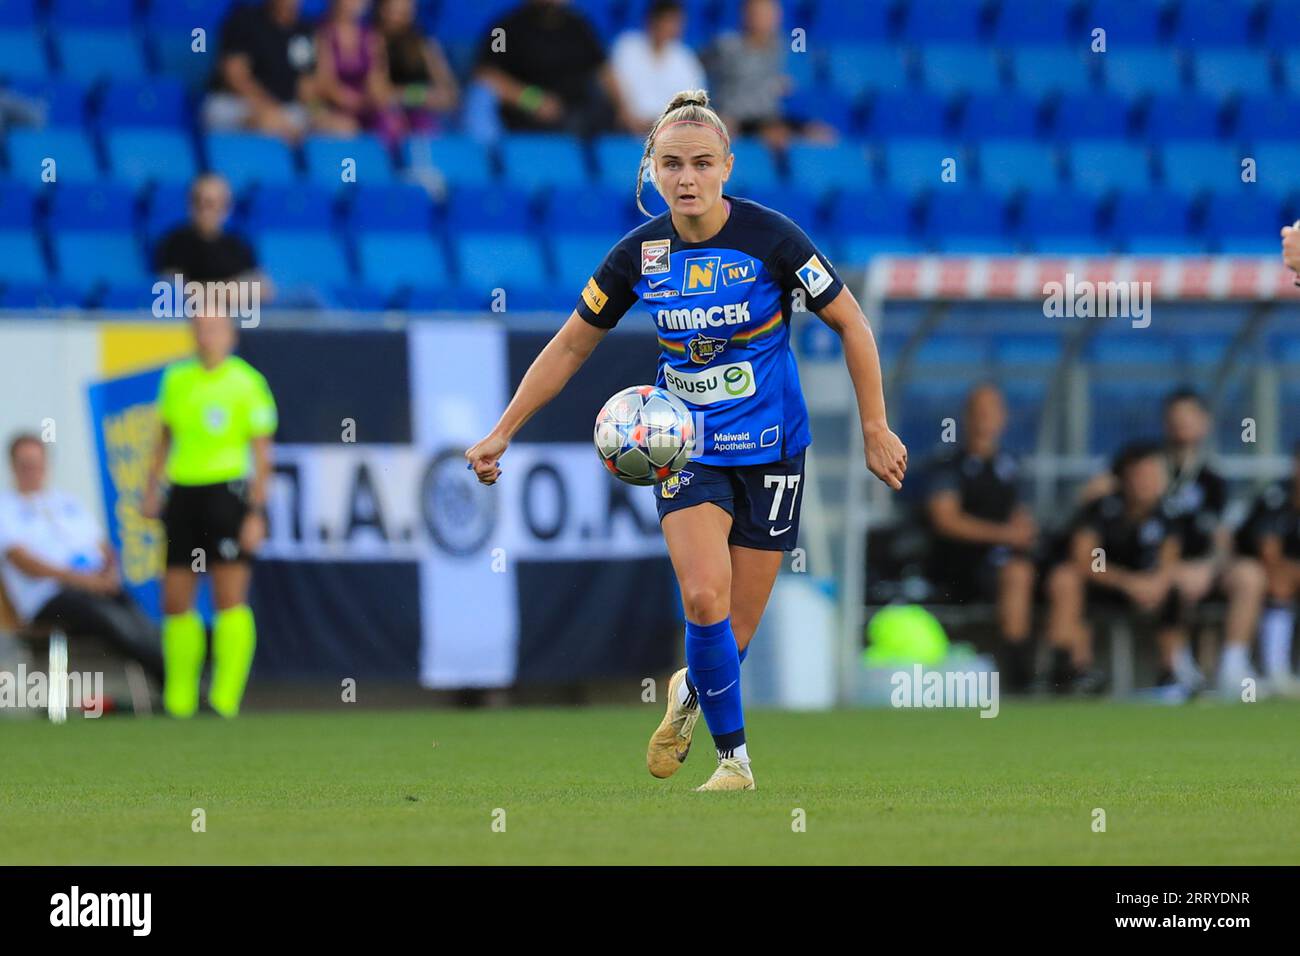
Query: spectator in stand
{"x": 201, "y": 250}
{"x": 983, "y": 535}
{"x": 653, "y": 64}
{"x": 1274, "y": 528}
{"x": 424, "y": 84}
{"x": 263, "y": 80}
{"x": 748, "y": 79}
{"x": 549, "y": 72}
{"x": 59, "y": 569}
{"x": 352, "y": 72}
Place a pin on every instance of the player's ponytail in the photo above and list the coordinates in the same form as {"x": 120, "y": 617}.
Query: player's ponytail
{"x": 688, "y": 106}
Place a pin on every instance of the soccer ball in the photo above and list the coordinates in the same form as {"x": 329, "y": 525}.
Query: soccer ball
{"x": 644, "y": 434}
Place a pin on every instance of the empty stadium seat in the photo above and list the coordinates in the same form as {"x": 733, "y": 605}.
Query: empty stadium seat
{"x": 1097, "y": 115}
{"x": 154, "y": 102}
{"x": 927, "y": 21}
{"x": 494, "y": 209}
{"x": 459, "y": 159}
{"x": 1012, "y": 165}
{"x": 21, "y": 258}
{"x": 953, "y": 69}
{"x": 92, "y": 207}
{"x": 576, "y": 259}
{"x": 1126, "y": 22}
{"x": 914, "y": 113}
{"x": 617, "y": 157}
{"x": 854, "y": 22}
{"x": 1278, "y": 166}
{"x": 17, "y": 13}
{"x": 400, "y": 260}
{"x": 94, "y": 55}
{"x": 856, "y": 69}
{"x": 754, "y": 167}
{"x": 964, "y": 214}
{"x": 63, "y": 102}
{"x": 533, "y": 161}
{"x": 880, "y": 211}
{"x": 590, "y": 209}
{"x": 1212, "y": 22}
{"x": 799, "y": 204}
{"x": 1225, "y": 73}
{"x": 23, "y": 54}
{"x": 1260, "y": 117}
{"x": 823, "y": 168}
{"x": 18, "y": 208}
{"x": 1006, "y": 114}
{"x": 1041, "y": 71}
{"x": 73, "y": 156}
{"x": 390, "y": 207}
{"x": 1158, "y": 214}
{"x": 1139, "y": 71}
{"x": 247, "y": 158}
{"x": 1101, "y": 166}
{"x": 93, "y": 14}
{"x": 1032, "y": 21}
{"x": 306, "y": 207}
{"x": 1280, "y": 18}
{"x": 1059, "y": 220}
{"x": 1195, "y": 167}
{"x": 1182, "y": 116}
{"x": 508, "y": 261}
{"x": 367, "y": 158}
{"x": 141, "y": 156}
{"x": 87, "y": 259}
{"x": 1244, "y": 220}
{"x": 294, "y": 259}
{"x": 916, "y": 165}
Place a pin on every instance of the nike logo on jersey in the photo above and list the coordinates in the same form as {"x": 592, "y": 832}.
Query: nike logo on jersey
{"x": 715, "y": 693}
{"x": 655, "y": 285}
{"x": 775, "y": 531}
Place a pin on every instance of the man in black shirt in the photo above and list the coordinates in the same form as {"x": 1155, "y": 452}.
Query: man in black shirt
{"x": 201, "y": 250}
{"x": 1123, "y": 552}
{"x": 263, "y": 79}
{"x": 1195, "y": 502}
{"x": 983, "y": 535}
{"x": 1274, "y": 527}
{"x": 549, "y": 72}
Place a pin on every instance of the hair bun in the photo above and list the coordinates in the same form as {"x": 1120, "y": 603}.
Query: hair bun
{"x": 689, "y": 98}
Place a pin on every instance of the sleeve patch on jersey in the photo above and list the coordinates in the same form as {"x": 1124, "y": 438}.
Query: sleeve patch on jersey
{"x": 593, "y": 296}
{"x": 816, "y": 278}
{"x": 655, "y": 259}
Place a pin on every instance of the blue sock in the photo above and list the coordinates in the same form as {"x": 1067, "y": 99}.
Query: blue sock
{"x": 743, "y": 652}
{"x": 713, "y": 665}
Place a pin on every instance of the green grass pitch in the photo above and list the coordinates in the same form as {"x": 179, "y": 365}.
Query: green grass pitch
{"x": 1199, "y": 784}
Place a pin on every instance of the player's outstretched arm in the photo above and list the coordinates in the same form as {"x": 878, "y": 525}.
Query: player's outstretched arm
{"x": 545, "y": 378}
{"x": 886, "y": 454}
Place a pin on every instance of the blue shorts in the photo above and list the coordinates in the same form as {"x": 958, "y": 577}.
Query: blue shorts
{"x": 763, "y": 500}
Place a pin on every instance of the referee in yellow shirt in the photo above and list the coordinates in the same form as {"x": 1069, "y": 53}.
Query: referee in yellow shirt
{"x": 217, "y": 417}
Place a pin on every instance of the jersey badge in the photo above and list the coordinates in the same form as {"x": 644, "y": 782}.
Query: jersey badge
{"x": 704, "y": 349}
{"x": 654, "y": 257}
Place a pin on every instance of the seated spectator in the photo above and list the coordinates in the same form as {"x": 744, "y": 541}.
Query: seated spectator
{"x": 263, "y": 80}
{"x": 1123, "y": 553}
{"x": 653, "y": 65}
{"x": 983, "y": 535}
{"x": 548, "y": 71}
{"x": 352, "y": 73}
{"x": 1275, "y": 526}
{"x": 424, "y": 84}
{"x": 58, "y": 568}
{"x": 201, "y": 250}
{"x": 748, "y": 80}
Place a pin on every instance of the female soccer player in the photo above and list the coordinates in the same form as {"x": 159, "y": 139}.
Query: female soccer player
{"x": 719, "y": 276}
{"x": 217, "y": 417}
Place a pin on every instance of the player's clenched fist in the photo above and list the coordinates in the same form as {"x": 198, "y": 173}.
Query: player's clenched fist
{"x": 485, "y": 458}
{"x": 886, "y": 456}
{"x": 1291, "y": 245}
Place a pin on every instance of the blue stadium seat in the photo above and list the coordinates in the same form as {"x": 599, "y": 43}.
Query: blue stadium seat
{"x": 460, "y": 159}
{"x": 1212, "y": 23}
{"x": 140, "y": 156}
{"x": 1278, "y": 166}
{"x": 304, "y": 208}
{"x": 166, "y": 207}
{"x": 576, "y": 259}
{"x": 855, "y": 69}
{"x": 1126, "y": 22}
{"x": 494, "y": 209}
{"x": 1155, "y": 214}
{"x": 395, "y": 260}
{"x": 1193, "y": 167}
{"x": 916, "y": 165}
{"x": 617, "y": 157}
{"x": 1100, "y": 166}
{"x": 926, "y": 21}
{"x": 92, "y": 207}
{"x": 71, "y": 151}
{"x": 189, "y": 14}
{"x": 1140, "y": 71}
{"x": 93, "y": 55}
{"x": 247, "y": 158}
{"x": 604, "y": 18}
{"x": 823, "y": 105}
{"x": 21, "y": 258}
{"x": 1024, "y": 351}
{"x": 964, "y": 214}
{"x": 390, "y": 208}
{"x": 1007, "y": 114}
{"x": 807, "y": 71}
{"x": 1244, "y": 220}
{"x": 1097, "y": 115}
{"x": 41, "y": 295}
{"x": 951, "y": 69}
{"x": 23, "y": 54}
{"x": 1032, "y": 21}
{"x": 1225, "y": 73}
{"x": 1047, "y": 70}
{"x": 87, "y": 259}
{"x": 169, "y": 38}
{"x": 18, "y": 208}
{"x": 466, "y": 22}
{"x": 754, "y": 167}
{"x": 872, "y": 211}
{"x": 1267, "y": 117}
{"x": 1280, "y": 18}
{"x": 594, "y": 210}
{"x": 489, "y": 261}
{"x": 159, "y": 101}
{"x": 1289, "y": 61}
{"x": 1011, "y": 165}
{"x": 851, "y": 21}
{"x": 93, "y": 14}
{"x": 797, "y": 202}
{"x": 1058, "y": 219}
{"x": 537, "y": 160}
{"x": 1182, "y": 116}
{"x": 821, "y": 169}
{"x": 17, "y": 13}
{"x": 63, "y": 101}
{"x": 858, "y": 250}
{"x": 913, "y": 113}
{"x": 295, "y": 259}
{"x": 325, "y": 156}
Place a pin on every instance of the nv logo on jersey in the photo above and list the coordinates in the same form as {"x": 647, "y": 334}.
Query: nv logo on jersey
{"x": 736, "y": 273}
{"x": 701, "y": 275}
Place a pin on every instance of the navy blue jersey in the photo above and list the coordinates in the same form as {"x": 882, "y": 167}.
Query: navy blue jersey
{"x": 722, "y": 311}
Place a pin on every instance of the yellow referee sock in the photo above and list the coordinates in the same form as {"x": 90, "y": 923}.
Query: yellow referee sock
{"x": 234, "y": 638}
{"x": 183, "y": 649}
